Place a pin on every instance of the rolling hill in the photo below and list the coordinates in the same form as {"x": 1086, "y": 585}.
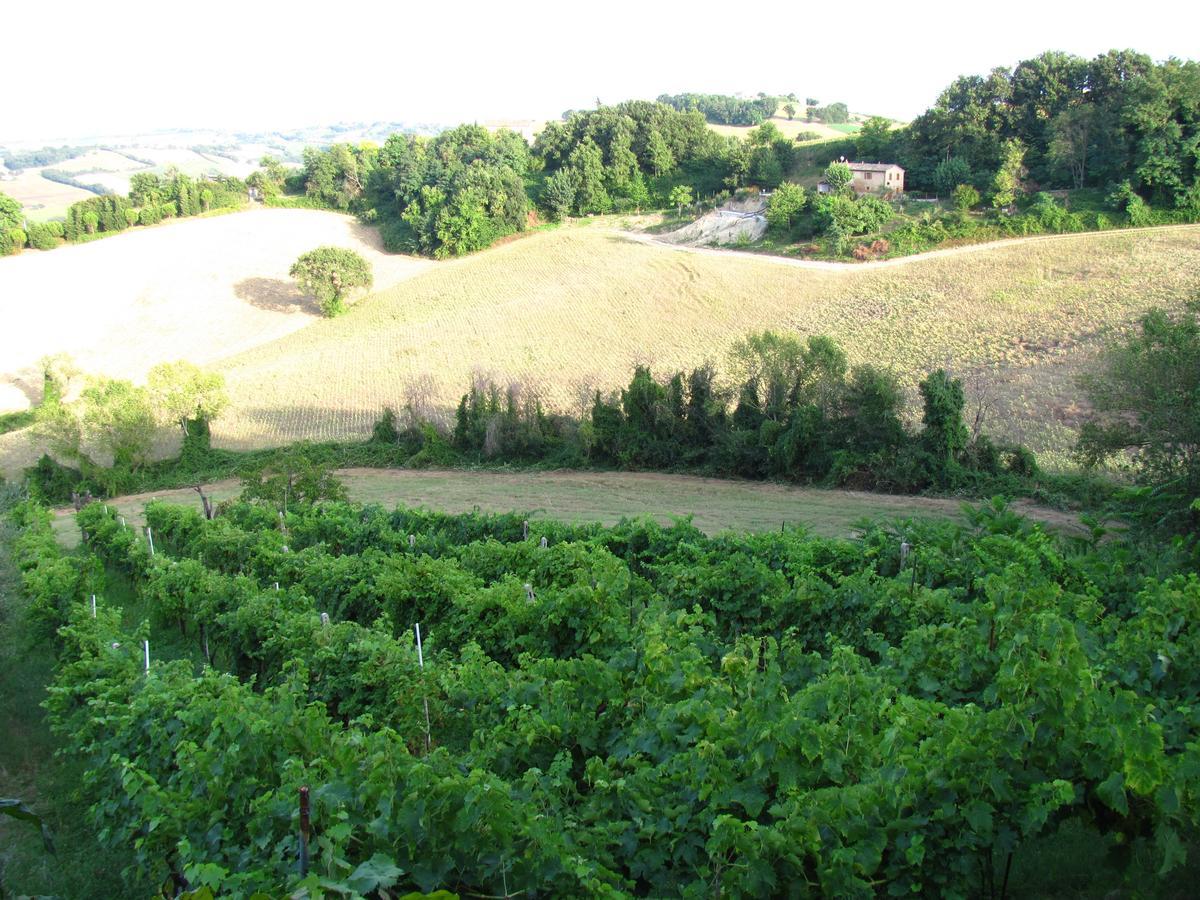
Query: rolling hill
{"x": 569, "y": 311}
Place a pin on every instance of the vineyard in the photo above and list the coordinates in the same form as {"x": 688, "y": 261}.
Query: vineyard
{"x": 569, "y": 311}
{"x": 933, "y": 708}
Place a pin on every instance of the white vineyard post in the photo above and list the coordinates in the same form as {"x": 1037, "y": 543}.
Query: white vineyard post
{"x": 424, "y": 694}
{"x": 93, "y": 606}
{"x": 122, "y": 518}
{"x": 277, "y": 585}
{"x": 146, "y": 647}
{"x": 150, "y": 540}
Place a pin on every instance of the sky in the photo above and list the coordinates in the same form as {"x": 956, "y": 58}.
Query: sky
{"x": 123, "y": 66}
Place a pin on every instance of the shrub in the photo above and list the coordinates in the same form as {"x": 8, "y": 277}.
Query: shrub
{"x": 45, "y": 235}
{"x": 965, "y": 197}
{"x": 11, "y": 240}
{"x": 52, "y": 482}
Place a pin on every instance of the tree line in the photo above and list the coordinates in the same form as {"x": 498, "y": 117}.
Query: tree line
{"x": 725, "y": 109}
{"x": 1069, "y": 122}
{"x": 151, "y": 199}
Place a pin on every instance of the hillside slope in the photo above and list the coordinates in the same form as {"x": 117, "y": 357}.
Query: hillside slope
{"x": 199, "y": 289}
{"x": 573, "y": 310}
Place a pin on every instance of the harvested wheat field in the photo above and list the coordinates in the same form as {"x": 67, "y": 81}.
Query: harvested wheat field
{"x": 197, "y": 289}
{"x": 575, "y": 309}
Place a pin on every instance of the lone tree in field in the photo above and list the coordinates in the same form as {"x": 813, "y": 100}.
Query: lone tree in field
{"x": 329, "y": 274}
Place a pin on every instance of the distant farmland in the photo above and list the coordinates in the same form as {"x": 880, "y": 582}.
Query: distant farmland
{"x": 569, "y": 311}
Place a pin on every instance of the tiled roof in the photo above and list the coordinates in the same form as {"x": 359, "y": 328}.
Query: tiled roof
{"x": 872, "y": 167}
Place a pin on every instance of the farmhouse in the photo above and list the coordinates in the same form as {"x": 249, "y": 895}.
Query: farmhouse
{"x": 872, "y": 178}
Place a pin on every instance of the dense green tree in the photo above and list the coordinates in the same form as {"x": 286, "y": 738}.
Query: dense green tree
{"x": 949, "y": 174}
{"x": 587, "y": 162}
{"x": 834, "y": 113}
{"x": 1071, "y": 140}
{"x": 843, "y": 214}
{"x": 183, "y": 394}
{"x": 294, "y": 480}
{"x": 965, "y": 197}
{"x": 785, "y": 204}
{"x": 1144, "y": 398}
{"x": 330, "y": 274}
{"x": 452, "y": 194}
{"x": 45, "y": 235}
{"x": 874, "y": 140}
{"x": 789, "y": 110}
{"x": 558, "y": 193}
{"x": 1009, "y": 180}
{"x": 622, "y": 167}
{"x": 943, "y": 434}
{"x": 662, "y": 160}
{"x": 11, "y": 213}
{"x": 118, "y": 419}
{"x": 723, "y": 109}
{"x": 1118, "y": 117}
{"x": 765, "y": 168}
{"x": 869, "y": 411}
{"x": 838, "y": 176}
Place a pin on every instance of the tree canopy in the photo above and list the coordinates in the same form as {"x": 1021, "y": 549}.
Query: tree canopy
{"x": 330, "y": 274}
{"x": 1145, "y": 401}
{"x": 1099, "y": 122}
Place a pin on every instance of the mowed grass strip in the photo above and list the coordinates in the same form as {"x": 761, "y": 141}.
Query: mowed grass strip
{"x": 568, "y": 311}
{"x": 606, "y": 497}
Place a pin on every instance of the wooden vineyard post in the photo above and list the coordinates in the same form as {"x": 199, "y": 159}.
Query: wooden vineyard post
{"x": 424, "y": 693}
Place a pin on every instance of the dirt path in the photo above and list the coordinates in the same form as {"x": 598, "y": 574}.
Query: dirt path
{"x": 830, "y": 266}
{"x": 574, "y": 496}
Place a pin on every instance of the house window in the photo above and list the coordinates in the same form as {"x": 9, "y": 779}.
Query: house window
{"x": 867, "y": 175}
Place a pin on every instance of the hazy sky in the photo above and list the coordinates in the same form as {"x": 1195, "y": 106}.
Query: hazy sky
{"x": 126, "y": 65}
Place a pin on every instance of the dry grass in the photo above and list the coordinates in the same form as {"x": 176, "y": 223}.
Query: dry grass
{"x": 42, "y": 198}
{"x": 98, "y": 160}
{"x": 606, "y": 497}
{"x": 790, "y": 128}
{"x": 572, "y": 309}
{"x": 197, "y": 289}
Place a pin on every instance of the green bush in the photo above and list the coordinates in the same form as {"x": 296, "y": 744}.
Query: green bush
{"x": 11, "y": 240}
{"x": 45, "y": 235}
